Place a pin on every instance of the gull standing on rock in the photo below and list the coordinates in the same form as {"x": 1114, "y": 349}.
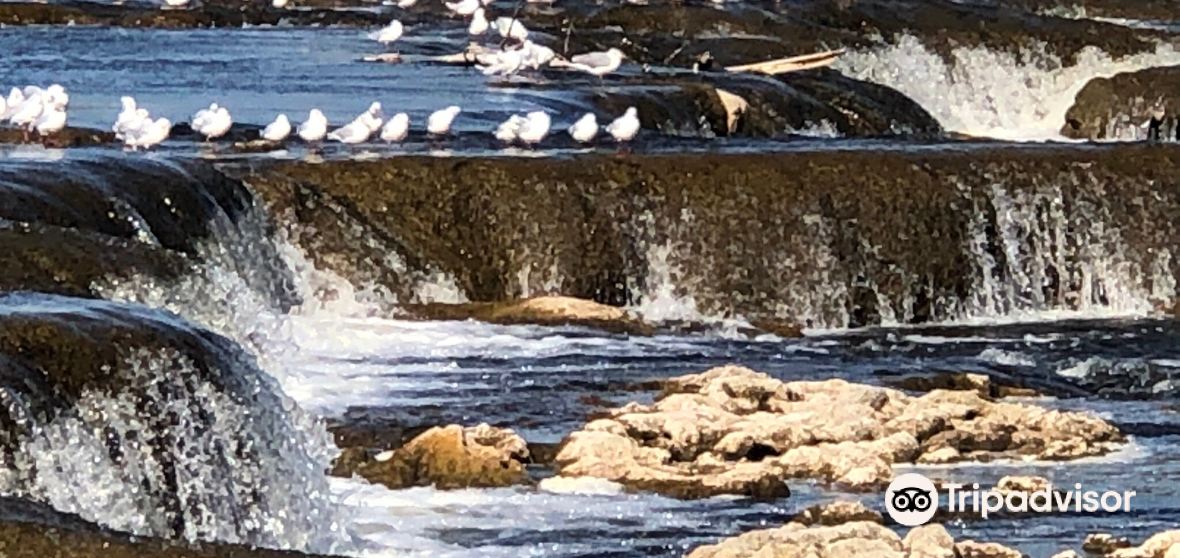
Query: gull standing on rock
{"x": 479, "y": 23}
{"x": 57, "y": 97}
{"x": 148, "y": 134}
{"x": 213, "y": 124}
{"x": 372, "y": 118}
{"x": 51, "y": 121}
{"x": 389, "y": 33}
{"x": 597, "y": 63}
{"x": 28, "y": 112}
{"x": 278, "y": 4}
{"x": 534, "y": 55}
{"x": 278, "y": 130}
{"x": 127, "y": 123}
{"x": 625, "y": 127}
{"x": 505, "y": 62}
{"x": 508, "y": 130}
{"x": 397, "y": 128}
{"x": 463, "y": 7}
{"x": 352, "y": 133}
{"x": 584, "y": 130}
{"x": 510, "y": 28}
{"x": 314, "y": 128}
{"x": 13, "y": 102}
{"x": 535, "y": 127}
{"x": 440, "y": 121}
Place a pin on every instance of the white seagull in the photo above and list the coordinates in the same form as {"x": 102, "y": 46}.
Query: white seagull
{"x": 176, "y": 3}
{"x": 479, "y": 23}
{"x": 440, "y": 120}
{"x": 403, "y": 4}
{"x": 534, "y": 55}
{"x": 28, "y": 112}
{"x": 149, "y": 134}
{"x": 535, "y": 128}
{"x": 51, "y": 121}
{"x": 314, "y": 128}
{"x": 397, "y": 128}
{"x": 202, "y": 117}
{"x": 373, "y": 117}
{"x": 584, "y": 130}
{"x": 56, "y": 96}
{"x": 13, "y": 102}
{"x": 352, "y": 133}
{"x": 597, "y": 63}
{"x": 389, "y": 33}
{"x": 505, "y": 62}
{"x": 463, "y": 7}
{"x": 625, "y": 127}
{"x": 510, "y": 28}
{"x": 278, "y": 130}
{"x": 127, "y": 123}
{"x": 508, "y": 130}
{"x": 215, "y": 124}
{"x": 280, "y": 4}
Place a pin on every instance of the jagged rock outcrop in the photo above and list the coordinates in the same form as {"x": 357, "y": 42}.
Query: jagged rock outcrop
{"x": 732, "y": 430}
{"x": 1118, "y": 107}
{"x": 446, "y": 457}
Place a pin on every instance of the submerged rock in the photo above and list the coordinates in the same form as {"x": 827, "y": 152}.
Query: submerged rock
{"x": 447, "y": 458}
{"x": 859, "y": 539}
{"x": 732, "y": 430}
{"x": 835, "y": 513}
{"x": 545, "y": 310}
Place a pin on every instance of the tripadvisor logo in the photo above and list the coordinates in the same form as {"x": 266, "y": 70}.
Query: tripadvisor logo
{"x": 912, "y": 499}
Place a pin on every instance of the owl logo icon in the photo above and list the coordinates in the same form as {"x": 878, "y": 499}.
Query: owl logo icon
{"x": 911, "y": 499}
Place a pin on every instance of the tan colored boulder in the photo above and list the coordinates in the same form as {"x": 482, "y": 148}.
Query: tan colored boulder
{"x": 542, "y": 310}
{"x": 733, "y": 430}
{"x": 972, "y": 549}
{"x": 836, "y": 513}
{"x": 452, "y": 457}
{"x": 1022, "y": 484}
{"x": 1104, "y": 543}
{"x": 860, "y": 539}
{"x": 929, "y": 541}
{"x": 1066, "y": 554}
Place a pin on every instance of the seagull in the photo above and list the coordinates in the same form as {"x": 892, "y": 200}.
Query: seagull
{"x": 389, "y": 33}
{"x": 508, "y": 130}
{"x": 315, "y": 127}
{"x": 280, "y": 4}
{"x": 505, "y": 62}
{"x": 535, "y": 128}
{"x": 535, "y": 55}
{"x": 373, "y": 117}
{"x": 51, "y": 121}
{"x": 127, "y": 123}
{"x": 176, "y": 3}
{"x": 463, "y": 7}
{"x": 354, "y": 132}
{"x": 403, "y": 4}
{"x": 216, "y": 123}
{"x": 27, "y": 113}
{"x": 510, "y": 28}
{"x": 14, "y": 100}
{"x": 202, "y": 117}
{"x": 479, "y": 23}
{"x": 625, "y": 127}
{"x": 440, "y": 121}
{"x": 584, "y": 130}
{"x": 150, "y": 134}
{"x": 56, "y": 96}
{"x": 597, "y": 63}
{"x": 278, "y": 130}
{"x": 397, "y": 128}
{"x": 128, "y": 112}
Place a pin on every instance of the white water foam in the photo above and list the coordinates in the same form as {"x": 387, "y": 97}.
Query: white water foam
{"x": 988, "y": 93}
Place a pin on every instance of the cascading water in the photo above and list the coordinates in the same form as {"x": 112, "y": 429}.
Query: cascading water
{"x": 988, "y": 93}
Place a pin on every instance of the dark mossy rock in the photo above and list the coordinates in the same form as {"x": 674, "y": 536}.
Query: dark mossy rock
{"x": 986, "y": 386}
{"x": 69, "y": 137}
{"x": 31, "y": 530}
{"x": 900, "y": 218}
{"x": 208, "y": 13}
{"x": 1107, "y": 108}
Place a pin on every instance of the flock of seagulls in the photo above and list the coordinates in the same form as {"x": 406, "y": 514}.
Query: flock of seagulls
{"x": 43, "y": 111}
{"x": 135, "y": 127}
{"x": 34, "y": 109}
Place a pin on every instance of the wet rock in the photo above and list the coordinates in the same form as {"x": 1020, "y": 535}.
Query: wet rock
{"x": 1023, "y": 484}
{"x": 836, "y": 513}
{"x": 451, "y": 457}
{"x": 1117, "y": 107}
{"x": 1066, "y": 554}
{"x": 929, "y": 541}
{"x": 545, "y": 310}
{"x": 731, "y": 430}
{"x": 68, "y": 137}
{"x": 972, "y": 549}
{"x": 205, "y": 14}
{"x": 983, "y": 384}
{"x": 857, "y": 539}
{"x": 1104, "y": 543}
{"x": 1165, "y": 544}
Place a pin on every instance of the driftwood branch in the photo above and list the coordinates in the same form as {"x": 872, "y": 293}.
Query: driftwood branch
{"x": 792, "y": 64}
